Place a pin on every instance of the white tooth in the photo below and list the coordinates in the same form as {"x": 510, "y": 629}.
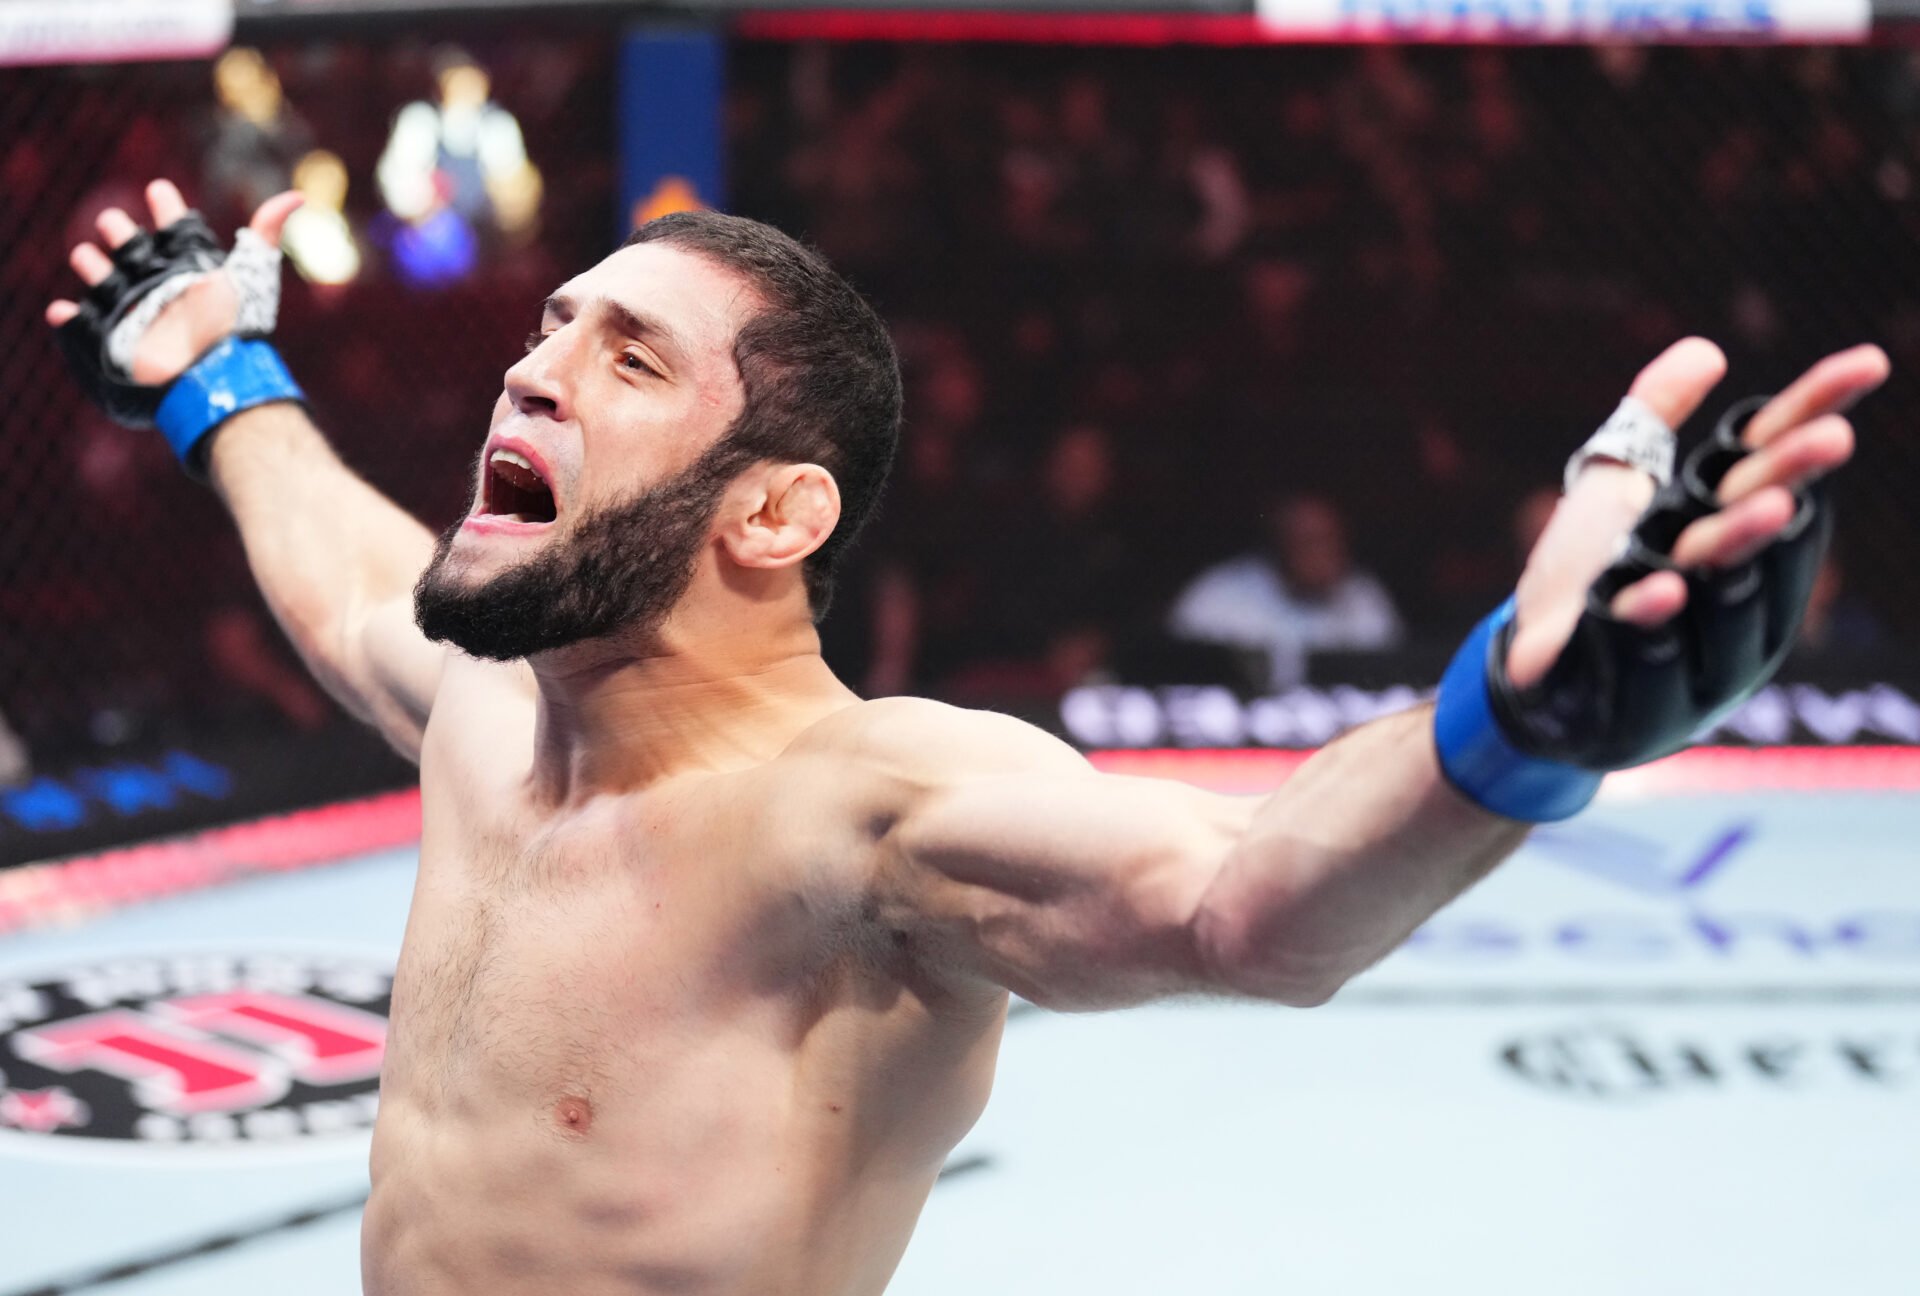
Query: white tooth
{"x": 512, "y": 457}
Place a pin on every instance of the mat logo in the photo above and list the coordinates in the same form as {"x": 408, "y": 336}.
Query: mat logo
{"x": 1673, "y": 917}
{"x": 1611, "y": 1062}
{"x": 195, "y": 1048}
{"x": 1641, "y": 863}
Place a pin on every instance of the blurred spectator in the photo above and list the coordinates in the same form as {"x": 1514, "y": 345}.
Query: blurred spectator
{"x": 455, "y": 169}
{"x": 917, "y": 586}
{"x": 1063, "y": 581}
{"x": 318, "y": 239}
{"x": 1298, "y": 595}
{"x": 257, "y": 137}
{"x": 1837, "y": 625}
{"x": 16, "y": 766}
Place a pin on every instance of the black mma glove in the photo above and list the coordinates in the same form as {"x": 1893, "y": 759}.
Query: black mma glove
{"x": 1619, "y": 695}
{"x": 150, "y": 270}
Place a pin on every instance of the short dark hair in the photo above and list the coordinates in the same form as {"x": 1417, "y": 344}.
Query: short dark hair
{"x": 821, "y": 380}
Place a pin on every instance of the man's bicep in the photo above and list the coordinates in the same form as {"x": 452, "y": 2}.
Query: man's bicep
{"x": 1070, "y": 887}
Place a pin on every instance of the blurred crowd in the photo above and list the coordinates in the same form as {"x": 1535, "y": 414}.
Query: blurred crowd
{"x": 1223, "y": 365}
{"x": 429, "y": 236}
{"x": 1242, "y": 364}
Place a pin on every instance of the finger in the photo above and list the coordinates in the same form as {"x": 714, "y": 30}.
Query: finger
{"x": 1830, "y": 387}
{"x": 115, "y": 227}
{"x": 1534, "y": 650}
{"x": 1737, "y": 532}
{"x": 1680, "y": 378}
{"x": 273, "y": 213}
{"x": 60, "y": 312}
{"x": 166, "y": 203}
{"x": 90, "y": 263}
{"x": 1794, "y": 460}
{"x": 1651, "y": 600}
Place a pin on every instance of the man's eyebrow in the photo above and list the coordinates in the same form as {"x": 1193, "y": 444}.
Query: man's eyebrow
{"x": 621, "y": 318}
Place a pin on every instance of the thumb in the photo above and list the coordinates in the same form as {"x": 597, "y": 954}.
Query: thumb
{"x": 273, "y": 213}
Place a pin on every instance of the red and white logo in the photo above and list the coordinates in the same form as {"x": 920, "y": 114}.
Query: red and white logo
{"x": 195, "y": 1048}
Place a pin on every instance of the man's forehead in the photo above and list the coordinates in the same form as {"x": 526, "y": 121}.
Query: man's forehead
{"x": 703, "y": 302}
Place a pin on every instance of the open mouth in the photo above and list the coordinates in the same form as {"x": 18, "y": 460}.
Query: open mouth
{"x": 515, "y": 489}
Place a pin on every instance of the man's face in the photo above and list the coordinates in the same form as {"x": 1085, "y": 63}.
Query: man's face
{"x": 597, "y": 487}
{"x": 1311, "y": 542}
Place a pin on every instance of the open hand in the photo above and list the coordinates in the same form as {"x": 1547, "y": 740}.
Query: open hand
{"x": 199, "y": 317}
{"x": 1799, "y": 436}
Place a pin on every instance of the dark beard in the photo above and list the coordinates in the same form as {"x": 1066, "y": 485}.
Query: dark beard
{"x": 622, "y": 569}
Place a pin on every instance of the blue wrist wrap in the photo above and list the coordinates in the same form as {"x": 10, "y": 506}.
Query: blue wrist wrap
{"x": 235, "y": 375}
{"x": 1476, "y": 754}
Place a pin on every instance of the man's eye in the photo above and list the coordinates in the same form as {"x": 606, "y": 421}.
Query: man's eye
{"x": 634, "y": 363}
{"x": 534, "y": 339}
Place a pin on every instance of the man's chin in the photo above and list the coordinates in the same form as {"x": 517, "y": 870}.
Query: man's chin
{"x": 474, "y": 557}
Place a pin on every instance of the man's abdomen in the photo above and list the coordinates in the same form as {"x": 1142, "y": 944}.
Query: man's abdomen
{"x": 499, "y": 1201}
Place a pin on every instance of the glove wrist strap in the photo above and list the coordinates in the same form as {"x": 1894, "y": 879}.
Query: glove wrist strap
{"x": 238, "y": 374}
{"x": 1478, "y": 757}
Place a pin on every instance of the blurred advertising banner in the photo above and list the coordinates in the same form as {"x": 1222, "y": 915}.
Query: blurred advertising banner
{"x": 1527, "y": 21}
{"x": 111, "y": 31}
{"x": 1205, "y": 716}
{"x": 670, "y": 120}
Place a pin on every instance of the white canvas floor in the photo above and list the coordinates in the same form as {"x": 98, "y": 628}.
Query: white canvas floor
{"x": 1672, "y": 1047}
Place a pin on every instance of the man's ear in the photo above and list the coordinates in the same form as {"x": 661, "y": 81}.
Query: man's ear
{"x": 792, "y": 510}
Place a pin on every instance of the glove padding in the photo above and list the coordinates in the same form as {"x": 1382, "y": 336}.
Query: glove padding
{"x": 1620, "y": 695}
{"x": 150, "y": 270}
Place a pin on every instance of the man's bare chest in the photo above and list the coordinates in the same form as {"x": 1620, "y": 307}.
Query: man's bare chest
{"x": 551, "y": 961}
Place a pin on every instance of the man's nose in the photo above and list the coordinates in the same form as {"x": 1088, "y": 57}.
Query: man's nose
{"x": 535, "y": 384}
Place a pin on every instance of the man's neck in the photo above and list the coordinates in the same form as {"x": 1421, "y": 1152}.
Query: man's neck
{"x": 619, "y": 717}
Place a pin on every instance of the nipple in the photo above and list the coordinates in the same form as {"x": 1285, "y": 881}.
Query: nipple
{"x": 573, "y": 1115}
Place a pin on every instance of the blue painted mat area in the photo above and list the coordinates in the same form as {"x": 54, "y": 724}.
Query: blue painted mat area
{"x": 1671, "y": 1047}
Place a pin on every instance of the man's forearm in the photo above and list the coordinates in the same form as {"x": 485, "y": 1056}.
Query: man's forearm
{"x": 1358, "y": 848}
{"x": 326, "y": 548}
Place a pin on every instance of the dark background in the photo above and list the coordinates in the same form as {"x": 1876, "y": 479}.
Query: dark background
{"x": 1138, "y": 293}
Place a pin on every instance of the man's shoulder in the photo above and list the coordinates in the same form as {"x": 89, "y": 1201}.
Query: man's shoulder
{"x": 848, "y": 780}
{"x": 918, "y": 741}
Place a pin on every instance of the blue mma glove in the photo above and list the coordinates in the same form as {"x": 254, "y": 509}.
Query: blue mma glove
{"x": 151, "y": 270}
{"x": 1620, "y": 695}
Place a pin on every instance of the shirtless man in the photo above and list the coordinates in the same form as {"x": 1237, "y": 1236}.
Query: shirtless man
{"x": 708, "y": 958}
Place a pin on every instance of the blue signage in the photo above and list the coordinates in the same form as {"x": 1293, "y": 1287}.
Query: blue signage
{"x": 670, "y": 123}
{"x": 122, "y": 791}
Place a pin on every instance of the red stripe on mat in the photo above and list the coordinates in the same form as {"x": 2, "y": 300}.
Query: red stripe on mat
{"x": 1703, "y": 769}
{"x": 73, "y": 890}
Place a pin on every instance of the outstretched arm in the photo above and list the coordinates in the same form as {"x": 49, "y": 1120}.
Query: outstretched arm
{"x": 335, "y": 559}
{"x": 1014, "y": 863}
{"x": 1020, "y": 865}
